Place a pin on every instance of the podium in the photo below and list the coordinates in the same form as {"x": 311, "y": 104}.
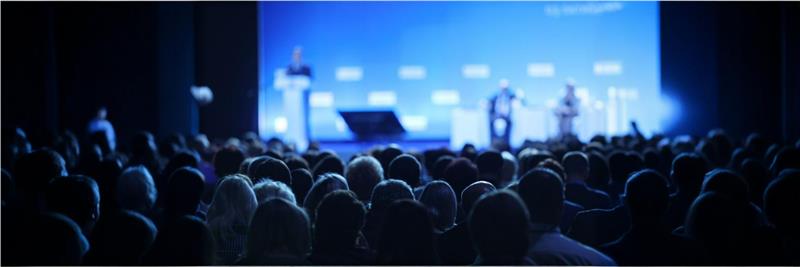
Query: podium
{"x": 294, "y": 89}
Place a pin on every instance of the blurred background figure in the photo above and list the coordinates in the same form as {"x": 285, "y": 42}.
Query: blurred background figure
{"x": 100, "y": 124}
{"x": 567, "y": 110}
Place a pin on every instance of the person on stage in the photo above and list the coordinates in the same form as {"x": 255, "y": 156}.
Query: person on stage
{"x": 299, "y": 69}
{"x": 566, "y": 111}
{"x": 500, "y": 113}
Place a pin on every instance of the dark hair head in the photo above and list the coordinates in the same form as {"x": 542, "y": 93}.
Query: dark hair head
{"x": 646, "y": 196}
{"x": 278, "y": 227}
{"x": 727, "y": 183}
{"x": 388, "y": 154}
{"x": 498, "y": 226}
{"x": 461, "y": 173}
{"x": 554, "y": 166}
{"x": 407, "y": 238}
{"x": 440, "y": 166}
{"x": 440, "y": 199}
{"x": 473, "y": 192}
{"x": 757, "y": 176}
{"x": 301, "y": 184}
{"x": 35, "y": 170}
{"x": 339, "y": 218}
{"x": 179, "y": 160}
{"x": 121, "y": 238}
{"x": 184, "y": 191}
{"x": 274, "y": 169}
{"x": 388, "y": 191}
{"x": 688, "y": 170}
{"x": 598, "y": 170}
{"x": 53, "y": 239}
{"x": 576, "y": 165}
{"x": 228, "y": 160}
{"x": 716, "y": 220}
{"x": 787, "y": 158}
{"x": 543, "y": 193}
{"x": 185, "y": 240}
{"x": 297, "y": 162}
{"x": 325, "y": 184}
{"x": 489, "y": 162}
{"x": 331, "y": 164}
{"x": 782, "y": 201}
{"x": 77, "y": 197}
{"x": 405, "y": 167}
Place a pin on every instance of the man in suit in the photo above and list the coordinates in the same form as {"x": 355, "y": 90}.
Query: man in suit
{"x": 576, "y": 166}
{"x": 500, "y": 113}
{"x": 298, "y": 67}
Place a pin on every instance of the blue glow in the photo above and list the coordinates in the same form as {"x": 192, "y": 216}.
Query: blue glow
{"x": 442, "y": 37}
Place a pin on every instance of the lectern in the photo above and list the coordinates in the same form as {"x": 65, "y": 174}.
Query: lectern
{"x": 294, "y": 102}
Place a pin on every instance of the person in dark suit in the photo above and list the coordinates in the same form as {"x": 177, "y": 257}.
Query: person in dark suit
{"x": 500, "y": 113}
{"x": 649, "y": 242}
{"x": 298, "y": 67}
{"x": 576, "y": 167}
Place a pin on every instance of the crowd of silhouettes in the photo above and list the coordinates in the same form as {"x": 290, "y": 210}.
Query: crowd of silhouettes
{"x": 619, "y": 200}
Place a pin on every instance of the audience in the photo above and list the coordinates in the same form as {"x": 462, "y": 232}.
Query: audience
{"x": 455, "y": 247}
{"x": 498, "y": 224}
{"x": 279, "y": 234}
{"x": 229, "y": 216}
{"x": 576, "y": 168}
{"x": 121, "y": 238}
{"x": 363, "y": 173}
{"x": 267, "y": 189}
{"x": 136, "y": 190}
{"x": 441, "y": 201}
{"x": 405, "y": 167}
{"x": 407, "y": 237}
{"x": 649, "y": 242}
{"x": 543, "y": 193}
{"x": 337, "y": 227}
{"x": 725, "y": 202}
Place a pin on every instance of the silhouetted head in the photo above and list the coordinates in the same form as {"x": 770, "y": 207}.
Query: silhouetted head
{"x": 688, "y": 170}
{"x": 329, "y": 164}
{"x": 461, "y": 173}
{"x": 553, "y": 165}
{"x": 405, "y": 167}
{"x": 782, "y": 201}
{"x": 363, "y": 173}
{"x": 440, "y": 166}
{"x": 727, "y": 183}
{"x": 184, "y": 191}
{"x": 186, "y": 240}
{"x": 121, "y": 238}
{"x": 301, "y": 184}
{"x": 717, "y": 221}
{"x": 136, "y": 190}
{"x": 786, "y": 158}
{"x": 468, "y": 151}
{"x": 180, "y": 160}
{"x": 35, "y": 170}
{"x": 440, "y": 199}
{"x": 473, "y": 192}
{"x": 77, "y": 197}
{"x": 271, "y": 168}
{"x": 490, "y": 165}
{"x": 297, "y": 162}
{"x": 598, "y": 170}
{"x": 52, "y": 239}
{"x": 278, "y": 226}
{"x": 543, "y": 193}
{"x": 576, "y": 166}
{"x": 509, "y": 169}
{"x": 646, "y": 196}
{"x": 757, "y": 176}
{"x": 498, "y": 226}
{"x": 388, "y": 191}
{"x": 622, "y": 164}
{"x": 228, "y": 160}
{"x": 325, "y": 184}
{"x": 266, "y": 189}
{"x": 233, "y": 204}
{"x": 339, "y": 219}
{"x": 407, "y": 236}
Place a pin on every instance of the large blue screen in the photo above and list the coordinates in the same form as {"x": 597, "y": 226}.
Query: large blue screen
{"x": 428, "y": 61}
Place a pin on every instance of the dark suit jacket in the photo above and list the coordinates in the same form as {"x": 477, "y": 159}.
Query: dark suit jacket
{"x": 654, "y": 247}
{"x": 600, "y": 226}
{"x": 493, "y": 102}
{"x": 587, "y": 197}
{"x": 303, "y": 70}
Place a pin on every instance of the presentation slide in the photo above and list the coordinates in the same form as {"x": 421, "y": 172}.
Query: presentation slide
{"x": 434, "y": 63}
